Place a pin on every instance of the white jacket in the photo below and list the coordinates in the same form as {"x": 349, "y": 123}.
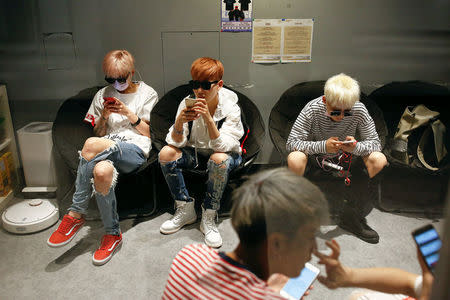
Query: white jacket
{"x": 230, "y": 131}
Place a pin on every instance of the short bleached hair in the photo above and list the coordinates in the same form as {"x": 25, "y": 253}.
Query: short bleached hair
{"x": 341, "y": 91}
{"x": 206, "y": 68}
{"x": 276, "y": 200}
{"x": 118, "y": 63}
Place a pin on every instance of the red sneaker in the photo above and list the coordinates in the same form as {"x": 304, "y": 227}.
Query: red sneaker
{"x": 65, "y": 232}
{"x": 110, "y": 244}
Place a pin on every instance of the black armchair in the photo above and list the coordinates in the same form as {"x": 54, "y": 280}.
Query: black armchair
{"x": 281, "y": 120}
{"x": 163, "y": 116}
{"x": 405, "y": 188}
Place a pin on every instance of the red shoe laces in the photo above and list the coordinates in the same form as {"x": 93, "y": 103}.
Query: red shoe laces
{"x": 65, "y": 225}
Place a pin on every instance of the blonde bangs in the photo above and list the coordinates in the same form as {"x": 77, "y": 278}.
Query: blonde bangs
{"x": 341, "y": 91}
{"x": 118, "y": 63}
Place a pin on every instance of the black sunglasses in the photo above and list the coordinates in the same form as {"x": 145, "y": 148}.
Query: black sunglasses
{"x": 119, "y": 80}
{"x": 337, "y": 113}
{"x": 206, "y": 85}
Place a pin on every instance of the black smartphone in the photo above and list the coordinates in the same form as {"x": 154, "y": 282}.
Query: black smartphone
{"x": 429, "y": 243}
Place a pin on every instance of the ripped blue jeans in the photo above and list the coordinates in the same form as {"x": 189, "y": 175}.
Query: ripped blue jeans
{"x": 217, "y": 176}
{"x": 125, "y": 158}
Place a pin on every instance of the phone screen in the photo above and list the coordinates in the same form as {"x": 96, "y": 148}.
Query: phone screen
{"x": 297, "y": 286}
{"x": 429, "y": 245}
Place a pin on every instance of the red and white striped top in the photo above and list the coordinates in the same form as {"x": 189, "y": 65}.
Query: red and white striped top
{"x": 199, "y": 272}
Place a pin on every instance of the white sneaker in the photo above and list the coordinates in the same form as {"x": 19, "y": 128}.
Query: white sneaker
{"x": 209, "y": 229}
{"x": 184, "y": 215}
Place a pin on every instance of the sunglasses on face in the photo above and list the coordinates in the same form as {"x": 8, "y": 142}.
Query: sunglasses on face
{"x": 206, "y": 85}
{"x": 337, "y": 113}
{"x": 119, "y": 79}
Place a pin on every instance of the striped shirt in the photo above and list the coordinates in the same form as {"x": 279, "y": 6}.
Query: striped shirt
{"x": 199, "y": 272}
{"x": 313, "y": 127}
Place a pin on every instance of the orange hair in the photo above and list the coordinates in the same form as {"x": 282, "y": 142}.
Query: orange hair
{"x": 118, "y": 63}
{"x": 206, "y": 68}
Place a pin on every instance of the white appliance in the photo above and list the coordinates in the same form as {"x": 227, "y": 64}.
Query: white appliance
{"x": 30, "y": 216}
{"x": 35, "y": 143}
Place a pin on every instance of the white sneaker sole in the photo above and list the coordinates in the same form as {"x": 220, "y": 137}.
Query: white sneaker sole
{"x": 163, "y": 231}
{"x": 216, "y": 245}
{"x": 105, "y": 260}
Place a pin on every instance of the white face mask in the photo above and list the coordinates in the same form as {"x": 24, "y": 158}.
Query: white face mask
{"x": 120, "y": 86}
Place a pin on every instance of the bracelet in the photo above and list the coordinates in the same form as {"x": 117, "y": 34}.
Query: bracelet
{"x": 180, "y": 132}
{"x": 136, "y": 123}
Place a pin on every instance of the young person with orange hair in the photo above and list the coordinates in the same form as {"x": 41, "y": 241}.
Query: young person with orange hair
{"x": 214, "y": 135}
{"x": 120, "y": 116}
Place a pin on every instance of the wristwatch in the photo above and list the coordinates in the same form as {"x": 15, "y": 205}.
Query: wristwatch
{"x": 136, "y": 123}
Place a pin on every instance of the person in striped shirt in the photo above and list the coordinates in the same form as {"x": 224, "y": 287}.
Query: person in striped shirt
{"x": 327, "y": 126}
{"x": 275, "y": 214}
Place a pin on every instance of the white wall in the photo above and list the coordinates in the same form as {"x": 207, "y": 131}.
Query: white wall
{"x": 375, "y": 41}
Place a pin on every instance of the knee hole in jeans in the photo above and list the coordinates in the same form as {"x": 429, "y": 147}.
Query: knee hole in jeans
{"x": 220, "y": 159}
{"x": 105, "y": 177}
{"x": 168, "y": 154}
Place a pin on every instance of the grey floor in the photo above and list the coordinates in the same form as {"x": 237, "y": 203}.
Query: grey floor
{"x": 29, "y": 269}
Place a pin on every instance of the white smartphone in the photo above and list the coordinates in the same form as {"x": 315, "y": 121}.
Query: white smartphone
{"x": 348, "y": 142}
{"x": 190, "y": 102}
{"x": 296, "y": 287}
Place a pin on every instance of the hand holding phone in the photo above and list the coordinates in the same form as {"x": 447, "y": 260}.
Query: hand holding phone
{"x": 296, "y": 287}
{"x": 190, "y": 102}
{"x": 348, "y": 142}
{"x": 109, "y": 100}
{"x": 428, "y": 241}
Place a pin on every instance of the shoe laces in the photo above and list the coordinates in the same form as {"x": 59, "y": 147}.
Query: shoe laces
{"x": 107, "y": 241}
{"x": 179, "y": 213}
{"x": 210, "y": 221}
{"x": 65, "y": 225}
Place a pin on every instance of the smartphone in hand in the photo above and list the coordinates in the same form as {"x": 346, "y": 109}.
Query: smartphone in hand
{"x": 190, "y": 102}
{"x": 296, "y": 287}
{"x": 348, "y": 142}
{"x": 429, "y": 243}
{"x": 109, "y": 100}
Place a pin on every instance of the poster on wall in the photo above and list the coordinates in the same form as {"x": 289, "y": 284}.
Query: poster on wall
{"x": 297, "y": 40}
{"x": 266, "y": 41}
{"x": 282, "y": 40}
{"x": 236, "y": 15}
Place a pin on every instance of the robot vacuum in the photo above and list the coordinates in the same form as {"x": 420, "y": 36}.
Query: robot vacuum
{"x": 30, "y": 216}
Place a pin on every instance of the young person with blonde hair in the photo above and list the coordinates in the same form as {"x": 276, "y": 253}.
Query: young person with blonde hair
{"x": 321, "y": 129}
{"x": 213, "y": 137}
{"x": 120, "y": 116}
